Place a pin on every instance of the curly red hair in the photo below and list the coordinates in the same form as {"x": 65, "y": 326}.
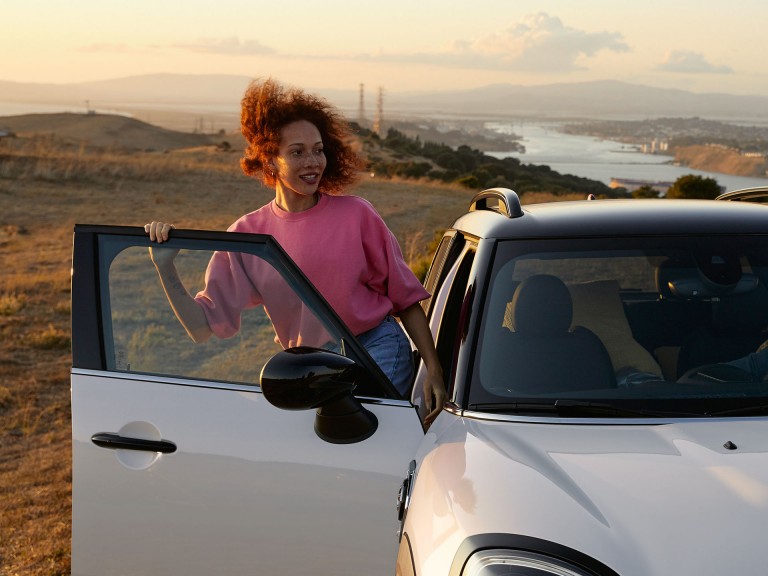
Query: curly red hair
{"x": 268, "y": 106}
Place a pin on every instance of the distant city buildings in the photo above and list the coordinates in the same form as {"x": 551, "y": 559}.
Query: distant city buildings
{"x": 661, "y": 146}
{"x": 655, "y": 146}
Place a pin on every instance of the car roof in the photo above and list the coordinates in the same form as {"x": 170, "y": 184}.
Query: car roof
{"x": 587, "y": 218}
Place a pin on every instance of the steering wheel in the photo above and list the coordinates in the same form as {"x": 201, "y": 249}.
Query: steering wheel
{"x": 715, "y": 374}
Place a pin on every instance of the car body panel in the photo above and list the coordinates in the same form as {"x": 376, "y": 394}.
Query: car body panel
{"x": 248, "y": 486}
{"x": 625, "y": 495}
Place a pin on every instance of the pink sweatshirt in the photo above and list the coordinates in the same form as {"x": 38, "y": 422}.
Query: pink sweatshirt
{"x": 345, "y": 249}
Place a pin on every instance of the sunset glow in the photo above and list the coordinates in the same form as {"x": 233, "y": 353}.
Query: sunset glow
{"x": 427, "y": 45}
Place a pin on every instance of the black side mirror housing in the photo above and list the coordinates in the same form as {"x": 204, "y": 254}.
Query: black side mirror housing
{"x": 306, "y": 378}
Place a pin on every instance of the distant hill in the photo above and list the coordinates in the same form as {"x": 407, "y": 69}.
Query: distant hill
{"x": 149, "y": 88}
{"x": 104, "y": 130}
{"x": 221, "y": 94}
{"x": 599, "y": 99}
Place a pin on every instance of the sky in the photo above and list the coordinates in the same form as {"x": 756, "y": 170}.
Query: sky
{"x": 399, "y": 45}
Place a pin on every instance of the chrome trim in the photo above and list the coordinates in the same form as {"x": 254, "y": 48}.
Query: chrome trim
{"x": 235, "y": 387}
{"x": 745, "y": 194}
{"x": 453, "y": 409}
{"x": 472, "y": 415}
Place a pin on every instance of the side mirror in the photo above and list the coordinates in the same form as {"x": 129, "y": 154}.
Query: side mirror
{"x": 309, "y": 378}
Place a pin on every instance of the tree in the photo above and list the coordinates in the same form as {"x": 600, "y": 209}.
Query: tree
{"x": 469, "y": 181}
{"x": 692, "y": 186}
{"x": 645, "y": 191}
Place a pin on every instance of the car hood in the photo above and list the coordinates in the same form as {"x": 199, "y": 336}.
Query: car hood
{"x": 644, "y": 499}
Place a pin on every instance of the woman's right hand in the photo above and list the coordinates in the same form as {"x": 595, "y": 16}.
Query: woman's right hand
{"x": 160, "y": 232}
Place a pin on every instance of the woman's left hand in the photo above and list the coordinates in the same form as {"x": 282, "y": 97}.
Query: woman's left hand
{"x": 434, "y": 395}
{"x": 415, "y": 322}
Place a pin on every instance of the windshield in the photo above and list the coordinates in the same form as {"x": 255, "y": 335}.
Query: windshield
{"x": 641, "y": 326}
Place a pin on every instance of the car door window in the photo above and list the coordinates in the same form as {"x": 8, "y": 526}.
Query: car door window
{"x": 449, "y": 305}
{"x": 141, "y": 333}
{"x": 456, "y": 314}
{"x": 447, "y": 252}
{"x": 147, "y": 337}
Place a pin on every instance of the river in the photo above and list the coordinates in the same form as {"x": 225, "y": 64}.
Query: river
{"x": 600, "y": 159}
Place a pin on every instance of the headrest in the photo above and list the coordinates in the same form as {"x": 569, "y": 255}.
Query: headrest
{"x": 542, "y": 306}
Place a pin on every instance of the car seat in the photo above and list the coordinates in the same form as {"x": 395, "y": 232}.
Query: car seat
{"x": 543, "y": 353}
{"x": 597, "y": 305}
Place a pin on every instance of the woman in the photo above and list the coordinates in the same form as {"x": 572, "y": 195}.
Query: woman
{"x": 299, "y": 145}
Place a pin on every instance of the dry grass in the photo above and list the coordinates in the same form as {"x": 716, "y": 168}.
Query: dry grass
{"x": 46, "y": 186}
{"x": 47, "y": 158}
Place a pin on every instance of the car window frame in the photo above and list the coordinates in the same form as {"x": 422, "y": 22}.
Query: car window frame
{"x": 487, "y": 268}
{"x": 454, "y": 286}
{"x": 95, "y": 246}
{"x": 448, "y": 251}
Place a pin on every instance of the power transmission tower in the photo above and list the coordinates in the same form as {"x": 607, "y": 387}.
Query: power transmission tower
{"x": 361, "y": 106}
{"x": 378, "y": 121}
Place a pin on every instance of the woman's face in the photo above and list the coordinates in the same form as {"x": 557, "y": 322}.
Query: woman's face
{"x": 300, "y": 160}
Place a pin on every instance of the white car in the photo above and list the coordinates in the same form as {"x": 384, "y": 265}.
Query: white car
{"x": 607, "y": 409}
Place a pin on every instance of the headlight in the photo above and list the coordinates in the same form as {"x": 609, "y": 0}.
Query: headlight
{"x": 504, "y": 562}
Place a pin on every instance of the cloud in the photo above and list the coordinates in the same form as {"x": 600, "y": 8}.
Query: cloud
{"x": 109, "y": 48}
{"x": 537, "y": 43}
{"x": 690, "y": 62}
{"x": 231, "y": 46}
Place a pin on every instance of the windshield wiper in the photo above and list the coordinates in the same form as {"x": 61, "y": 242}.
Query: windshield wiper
{"x": 752, "y": 410}
{"x": 574, "y": 408}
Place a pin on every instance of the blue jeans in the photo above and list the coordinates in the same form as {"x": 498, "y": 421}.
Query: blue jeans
{"x": 389, "y": 347}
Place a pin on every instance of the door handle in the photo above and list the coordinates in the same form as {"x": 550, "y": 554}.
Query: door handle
{"x": 117, "y": 442}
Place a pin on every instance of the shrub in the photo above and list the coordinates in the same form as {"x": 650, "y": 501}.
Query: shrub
{"x": 51, "y": 338}
{"x": 692, "y": 186}
{"x": 10, "y": 304}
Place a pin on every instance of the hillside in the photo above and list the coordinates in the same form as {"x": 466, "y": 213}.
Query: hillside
{"x": 720, "y": 159}
{"x": 104, "y": 131}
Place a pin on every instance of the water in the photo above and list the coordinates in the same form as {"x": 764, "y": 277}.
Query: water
{"x": 19, "y": 108}
{"x": 603, "y": 160}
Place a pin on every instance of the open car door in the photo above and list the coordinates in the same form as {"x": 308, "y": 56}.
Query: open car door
{"x": 180, "y": 465}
